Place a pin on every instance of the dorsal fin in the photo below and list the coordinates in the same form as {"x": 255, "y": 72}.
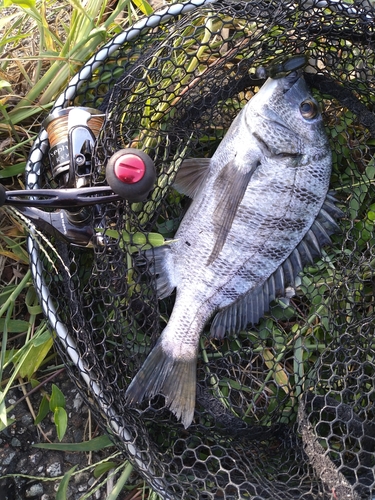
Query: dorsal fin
{"x": 250, "y": 308}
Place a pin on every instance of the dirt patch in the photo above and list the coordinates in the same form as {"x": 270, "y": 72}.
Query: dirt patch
{"x": 36, "y": 473}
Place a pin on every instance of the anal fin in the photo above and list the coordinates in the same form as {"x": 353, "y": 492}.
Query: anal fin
{"x": 248, "y": 309}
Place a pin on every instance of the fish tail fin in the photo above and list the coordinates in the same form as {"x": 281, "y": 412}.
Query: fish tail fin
{"x": 175, "y": 378}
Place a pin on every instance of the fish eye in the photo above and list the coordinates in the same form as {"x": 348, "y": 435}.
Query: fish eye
{"x": 308, "y": 109}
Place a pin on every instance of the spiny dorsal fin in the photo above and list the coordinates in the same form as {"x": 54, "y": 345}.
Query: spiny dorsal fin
{"x": 191, "y": 176}
{"x": 250, "y": 308}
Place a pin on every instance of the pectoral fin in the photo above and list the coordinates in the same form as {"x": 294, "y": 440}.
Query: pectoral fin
{"x": 235, "y": 181}
{"x": 160, "y": 263}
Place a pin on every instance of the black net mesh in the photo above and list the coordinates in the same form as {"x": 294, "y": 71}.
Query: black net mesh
{"x": 284, "y": 408}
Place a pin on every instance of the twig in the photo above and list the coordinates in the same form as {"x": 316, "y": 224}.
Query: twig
{"x": 31, "y": 409}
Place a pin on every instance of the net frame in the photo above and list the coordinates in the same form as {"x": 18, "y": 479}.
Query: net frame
{"x": 142, "y": 458}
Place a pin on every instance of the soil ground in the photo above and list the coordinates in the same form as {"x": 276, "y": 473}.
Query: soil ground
{"x": 19, "y": 457}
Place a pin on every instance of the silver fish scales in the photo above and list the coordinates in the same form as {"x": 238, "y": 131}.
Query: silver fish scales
{"x": 260, "y": 211}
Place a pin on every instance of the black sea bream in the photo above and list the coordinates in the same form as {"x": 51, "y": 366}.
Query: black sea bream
{"x": 260, "y": 212}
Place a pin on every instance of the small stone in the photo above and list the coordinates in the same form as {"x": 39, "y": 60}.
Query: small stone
{"x": 27, "y": 419}
{"x": 77, "y": 402}
{"x": 54, "y": 470}
{"x": 72, "y": 458}
{"x": 23, "y": 465}
{"x": 8, "y": 458}
{"x": 15, "y": 442}
{"x": 45, "y": 497}
{"x": 82, "y": 477}
{"x": 34, "y": 459}
{"x": 34, "y": 491}
{"x": 12, "y": 401}
{"x": 78, "y": 435}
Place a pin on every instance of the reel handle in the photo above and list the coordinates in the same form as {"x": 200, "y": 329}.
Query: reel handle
{"x": 130, "y": 174}
{"x": 58, "y": 198}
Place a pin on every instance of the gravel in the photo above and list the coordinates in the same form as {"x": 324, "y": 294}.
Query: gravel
{"x": 33, "y": 473}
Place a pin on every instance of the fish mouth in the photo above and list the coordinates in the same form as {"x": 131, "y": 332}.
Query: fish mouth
{"x": 291, "y": 88}
{"x": 290, "y": 80}
{"x": 273, "y": 87}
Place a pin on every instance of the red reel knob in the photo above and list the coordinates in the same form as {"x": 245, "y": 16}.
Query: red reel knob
{"x": 131, "y": 174}
{"x": 129, "y": 168}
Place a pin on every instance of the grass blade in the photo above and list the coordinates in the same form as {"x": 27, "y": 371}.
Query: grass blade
{"x": 94, "y": 444}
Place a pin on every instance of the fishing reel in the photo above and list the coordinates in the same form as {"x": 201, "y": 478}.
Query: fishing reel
{"x": 72, "y": 133}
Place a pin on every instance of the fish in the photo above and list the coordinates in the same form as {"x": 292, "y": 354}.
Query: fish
{"x": 260, "y": 211}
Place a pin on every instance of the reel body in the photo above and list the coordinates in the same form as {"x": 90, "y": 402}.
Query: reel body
{"x": 72, "y": 134}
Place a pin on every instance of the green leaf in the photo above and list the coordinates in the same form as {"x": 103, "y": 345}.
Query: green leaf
{"x": 35, "y": 358}
{"x": 95, "y": 444}
{"x": 61, "y": 421}
{"x": 43, "y": 410}
{"x": 34, "y": 383}
{"x": 144, "y": 7}
{"x": 10, "y": 422}
{"x": 12, "y": 170}
{"x": 10, "y": 355}
{"x": 3, "y": 411}
{"x": 120, "y": 483}
{"x": 32, "y": 302}
{"x": 26, "y": 4}
{"x": 103, "y": 468}
{"x": 41, "y": 339}
{"x": 14, "y": 325}
{"x": 17, "y": 249}
{"x": 6, "y": 20}
{"x": 4, "y": 84}
{"x": 57, "y": 399}
{"x": 370, "y": 171}
{"x": 61, "y": 493}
